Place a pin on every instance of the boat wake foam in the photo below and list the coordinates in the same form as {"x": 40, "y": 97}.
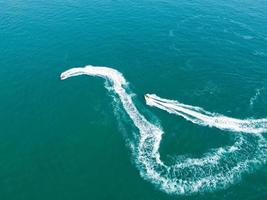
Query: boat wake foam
{"x": 216, "y": 169}
{"x": 202, "y": 117}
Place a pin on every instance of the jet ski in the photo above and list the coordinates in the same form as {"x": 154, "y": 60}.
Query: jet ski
{"x": 147, "y": 97}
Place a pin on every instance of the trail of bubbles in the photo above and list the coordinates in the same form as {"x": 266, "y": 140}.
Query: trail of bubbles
{"x": 202, "y": 117}
{"x": 216, "y": 169}
{"x": 255, "y": 97}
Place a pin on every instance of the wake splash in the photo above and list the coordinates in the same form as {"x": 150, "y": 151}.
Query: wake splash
{"x": 202, "y": 117}
{"x": 216, "y": 169}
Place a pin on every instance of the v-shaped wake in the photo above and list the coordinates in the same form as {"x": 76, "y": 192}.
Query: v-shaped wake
{"x": 202, "y": 117}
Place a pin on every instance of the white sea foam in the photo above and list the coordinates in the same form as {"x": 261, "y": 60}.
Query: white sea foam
{"x": 202, "y": 117}
{"x": 217, "y": 168}
{"x": 255, "y": 97}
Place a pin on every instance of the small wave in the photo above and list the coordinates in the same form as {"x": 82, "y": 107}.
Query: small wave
{"x": 255, "y": 97}
{"x": 259, "y": 53}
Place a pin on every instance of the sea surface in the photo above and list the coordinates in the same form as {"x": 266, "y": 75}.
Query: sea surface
{"x": 74, "y": 139}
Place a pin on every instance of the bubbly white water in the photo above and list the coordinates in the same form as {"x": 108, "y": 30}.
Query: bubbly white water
{"x": 216, "y": 169}
{"x": 202, "y": 117}
{"x": 255, "y": 97}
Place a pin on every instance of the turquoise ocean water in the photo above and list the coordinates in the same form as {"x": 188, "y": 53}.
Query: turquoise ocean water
{"x": 72, "y": 139}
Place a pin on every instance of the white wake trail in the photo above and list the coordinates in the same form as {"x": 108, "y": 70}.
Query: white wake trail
{"x": 216, "y": 169}
{"x": 202, "y": 117}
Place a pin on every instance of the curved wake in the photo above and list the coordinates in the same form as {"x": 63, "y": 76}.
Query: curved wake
{"x": 215, "y": 169}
